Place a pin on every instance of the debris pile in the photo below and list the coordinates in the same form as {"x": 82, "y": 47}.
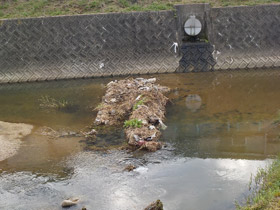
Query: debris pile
{"x": 129, "y": 168}
{"x": 157, "y": 205}
{"x": 60, "y": 133}
{"x": 142, "y": 102}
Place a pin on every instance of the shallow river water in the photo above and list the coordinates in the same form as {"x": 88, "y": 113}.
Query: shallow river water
{"x": 220, "y": 131}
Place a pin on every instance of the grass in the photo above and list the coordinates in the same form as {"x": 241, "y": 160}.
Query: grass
{"x": 99, "y": 106}
{"x": 134, "y": 123}
{"x": 52, "y": 103}
{"x": 277, "y": 119}
{"x": 266, "y": 193}
{"x": 138, "y": 103}
{"x": 36, "y": 8}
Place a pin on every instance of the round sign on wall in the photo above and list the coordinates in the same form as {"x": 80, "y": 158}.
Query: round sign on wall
{"x": 192, "y": 26}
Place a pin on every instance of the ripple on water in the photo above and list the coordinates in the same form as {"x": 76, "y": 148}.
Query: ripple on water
{"x": 100, "y": 182}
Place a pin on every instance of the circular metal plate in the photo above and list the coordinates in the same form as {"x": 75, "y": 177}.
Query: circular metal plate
{"x": 192, "y": 26}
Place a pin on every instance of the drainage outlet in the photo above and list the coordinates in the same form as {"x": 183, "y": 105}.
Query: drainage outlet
{"x": 192, "y": 26}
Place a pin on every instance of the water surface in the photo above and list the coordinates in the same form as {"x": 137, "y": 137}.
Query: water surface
{"x": 220, "y": 130}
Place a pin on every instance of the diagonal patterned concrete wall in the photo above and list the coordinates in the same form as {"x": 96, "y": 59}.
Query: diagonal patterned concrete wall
{"x": 139, "y": 42}
{"x": 87, "y": 45}
{"x": 245, "y": 37}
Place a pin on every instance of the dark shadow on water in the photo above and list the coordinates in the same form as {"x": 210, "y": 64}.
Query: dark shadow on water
{"x": 106, "y": 139}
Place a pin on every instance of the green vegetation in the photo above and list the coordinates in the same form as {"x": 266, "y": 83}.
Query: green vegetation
{"x": 204, "y": 40}
{"x": 134, "y": 123}
{"x": 277, "y": 120}
{"x": 36, "y": 8}
{"x": 99, "y": 106}
{"x": 138, "y": 103}
{"x": 51, "y": 103}
{"x": 266, "y": 192}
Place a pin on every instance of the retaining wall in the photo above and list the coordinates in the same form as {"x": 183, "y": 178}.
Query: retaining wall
{"x": 245, "y": 37}
{"x": 87, "y": 45}
{"x": 137, "y": 43}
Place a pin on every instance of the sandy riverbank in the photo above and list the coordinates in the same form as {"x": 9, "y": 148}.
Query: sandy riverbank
{"x": 11, "y": 135}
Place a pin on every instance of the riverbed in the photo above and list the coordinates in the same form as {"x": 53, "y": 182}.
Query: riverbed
{"x": 220, "y": 131}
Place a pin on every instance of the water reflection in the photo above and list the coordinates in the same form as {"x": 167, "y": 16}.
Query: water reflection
{"x": 98, "y": 180}
{"x": 214, "y": 114}
{"x": 220, "y": 128}
{"x": 232, "y": 140}
{"x": 193, "y": 102}
{"x": 220, "y": 115}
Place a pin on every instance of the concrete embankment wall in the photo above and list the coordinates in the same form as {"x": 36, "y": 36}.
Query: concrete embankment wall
{"x": 245, "y": 37}
{"x": 114, "y": 44}
{"x": 87, "y": 45}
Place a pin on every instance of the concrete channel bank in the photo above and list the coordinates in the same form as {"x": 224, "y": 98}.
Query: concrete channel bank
{"x": 115, "y": 44}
